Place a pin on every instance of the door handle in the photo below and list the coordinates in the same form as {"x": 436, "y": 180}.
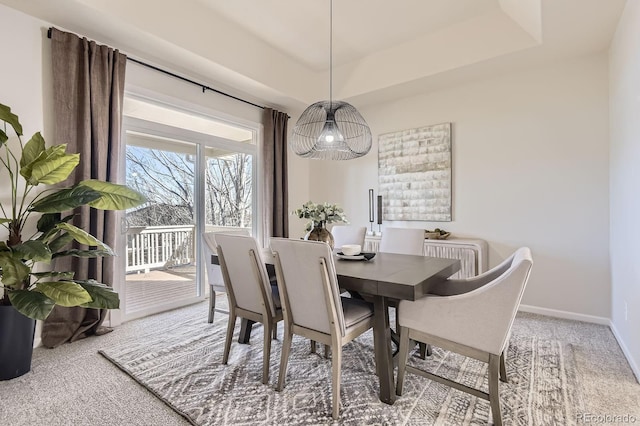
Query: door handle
{"x": 124, "y": 225}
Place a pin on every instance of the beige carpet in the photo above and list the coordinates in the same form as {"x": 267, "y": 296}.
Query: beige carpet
{"x": 181, "y": 364}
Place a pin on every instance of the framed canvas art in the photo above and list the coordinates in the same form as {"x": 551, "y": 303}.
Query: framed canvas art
{"x": 414, "y": 173}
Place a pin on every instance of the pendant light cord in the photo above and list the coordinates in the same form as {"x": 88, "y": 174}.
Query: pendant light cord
{"x": 331, "y": 55}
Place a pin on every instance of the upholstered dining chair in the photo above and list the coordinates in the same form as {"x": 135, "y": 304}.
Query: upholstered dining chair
{"x": 214, "y": 274}
{"x": 347, "y": 234}
{"x": 250, "y": 293}
{"x": 473, "y": 317}
{"x": 313, "y": 307}
{"x": 402, "y": 241}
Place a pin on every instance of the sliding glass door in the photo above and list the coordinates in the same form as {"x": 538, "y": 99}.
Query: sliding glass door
{"x": 195, "y": 181}
{"x": 161, "y": 244}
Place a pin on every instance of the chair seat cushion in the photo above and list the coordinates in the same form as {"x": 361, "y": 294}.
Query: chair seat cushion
{"x": 355, "y": 310}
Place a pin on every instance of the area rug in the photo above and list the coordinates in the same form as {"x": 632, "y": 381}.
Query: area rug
{"x": 180, "y": 362}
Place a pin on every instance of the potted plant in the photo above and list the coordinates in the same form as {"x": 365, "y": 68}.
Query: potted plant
{"x": 27, "y": 293}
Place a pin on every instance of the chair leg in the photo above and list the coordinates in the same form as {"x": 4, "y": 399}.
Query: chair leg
{"x": 227, "y": 343}
{"x": 402, "y": 358}
{"x": 425, "y": 350}
{"x": 212, "y": 303}
{"x": 326, "y": 351}
{"x": 266, "y": 357}
{"x": 336, "y": 363}
{"x": 313, "y": 346}
{"x": 494, "y": 394}
{"x": 284, "y": 357}
{"x": 275, "y": 331}
{"x": 503, "y": 369}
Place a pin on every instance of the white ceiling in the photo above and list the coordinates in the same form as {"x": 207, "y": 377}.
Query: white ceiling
{"x": 276, "y": 52}
{"x": 300, "y": 29}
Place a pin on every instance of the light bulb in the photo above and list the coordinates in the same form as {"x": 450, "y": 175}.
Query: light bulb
{"x": 330, "y": 132}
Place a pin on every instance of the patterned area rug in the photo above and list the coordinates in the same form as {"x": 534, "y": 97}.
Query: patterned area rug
{"x": 181, "y": 364}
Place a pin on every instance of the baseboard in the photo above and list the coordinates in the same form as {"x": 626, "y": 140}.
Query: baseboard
{"x": 625, "y": 351}
{"x": 565, "y": 314}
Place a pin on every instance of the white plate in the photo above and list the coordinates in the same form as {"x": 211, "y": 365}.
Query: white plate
{"x": 360, "y": 256}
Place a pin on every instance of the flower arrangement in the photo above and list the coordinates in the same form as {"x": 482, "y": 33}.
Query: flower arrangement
{"x": 318, "y": 213}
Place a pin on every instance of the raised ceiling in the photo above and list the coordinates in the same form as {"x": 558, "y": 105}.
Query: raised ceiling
{"x": 277, "y": 51}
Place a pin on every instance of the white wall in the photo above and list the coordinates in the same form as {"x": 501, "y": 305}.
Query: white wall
{"x": 624, "y": 86}
{"x": 530, "y": 159}
{"x": 25, "y": 82}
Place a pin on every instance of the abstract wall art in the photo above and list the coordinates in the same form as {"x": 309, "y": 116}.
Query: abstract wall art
{"x": 414, "y": 173}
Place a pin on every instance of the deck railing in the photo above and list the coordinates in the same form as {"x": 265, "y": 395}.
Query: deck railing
{"x": 159, "y": 246}
{"x": 153, "y": 247}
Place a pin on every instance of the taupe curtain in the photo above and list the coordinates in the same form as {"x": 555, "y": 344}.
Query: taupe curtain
{"x": 88, "y": 91}
{"x": 275, "y": 200}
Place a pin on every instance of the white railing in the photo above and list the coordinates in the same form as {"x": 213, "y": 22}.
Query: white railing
{"x": 153, "y": 247}
{"x": 159, "y": 246}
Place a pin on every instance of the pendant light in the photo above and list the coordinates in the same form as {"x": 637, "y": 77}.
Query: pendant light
{"x": 331, "y": 130}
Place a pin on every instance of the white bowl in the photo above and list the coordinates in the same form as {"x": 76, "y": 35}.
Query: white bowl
{"x": 351, "y": 249}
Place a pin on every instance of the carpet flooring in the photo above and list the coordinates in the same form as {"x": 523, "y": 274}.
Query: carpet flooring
{"x": 74, "y": 385}
{"x": 181, "y": 364}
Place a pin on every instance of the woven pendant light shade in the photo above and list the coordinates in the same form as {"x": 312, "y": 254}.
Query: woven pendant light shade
{"x": 331, "y": 131}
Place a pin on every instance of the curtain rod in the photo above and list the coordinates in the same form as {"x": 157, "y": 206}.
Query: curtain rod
{"x": 179, "y": 77}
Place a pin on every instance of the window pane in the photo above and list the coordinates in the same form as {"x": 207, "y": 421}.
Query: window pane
{"x": 228, "y": 190}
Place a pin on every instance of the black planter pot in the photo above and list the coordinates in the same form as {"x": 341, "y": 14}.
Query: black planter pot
{"x": 16, "y": 343}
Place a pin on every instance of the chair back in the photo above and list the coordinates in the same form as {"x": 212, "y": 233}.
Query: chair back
{"x": 209, "y": 248}
{"x": 402, "y": 241}
{"x": 245, "y": 273}
{"x": 501, "y": 296}
{"x": 514, "y": 280}
{"x": 308, "y": 284}
{"x": 345, "y": 234}
{"x": 479, "y": 318}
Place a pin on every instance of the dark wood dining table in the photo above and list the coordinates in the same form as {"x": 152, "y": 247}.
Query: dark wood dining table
{"x": 386, "y": 276}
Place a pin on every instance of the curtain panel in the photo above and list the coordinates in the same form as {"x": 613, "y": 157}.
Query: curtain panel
{"x": 275, "y": 222}
{"x": 88, "y": 92}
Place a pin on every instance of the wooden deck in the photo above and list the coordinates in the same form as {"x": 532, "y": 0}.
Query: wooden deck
{"x": 153, "y": 288}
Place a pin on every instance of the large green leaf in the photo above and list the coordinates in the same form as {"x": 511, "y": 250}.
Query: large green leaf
{"x": 31, "y": 151}
{"x": 47, "y": 225}
{"x": 113, "y": 196}
{"x": 84, "y": 237}
{"x": 65, "y": 199}
{"x": 32, "y": 304}
{"x": 67, "y": 275}
{"x": 3, "y": 137}
{"x": 4, "y": 220}
{"x": 83, "y": 253}
{"x": 103, "y": 296}
{"x": 64, "y": 293}
{"x": 61, "y": 241}
{"x": 54, "y": 170}
{"x": 14, "y": 272}
{"x": 48, "y": 221}
{"x": 10, "y": 118}
{"x": 50, "y": 153}
{"x": 4, "y": 246}
{"x": 33, "y": 250}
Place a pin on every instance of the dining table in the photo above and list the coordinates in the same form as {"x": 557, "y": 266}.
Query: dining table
{"x": 385, "y": 277}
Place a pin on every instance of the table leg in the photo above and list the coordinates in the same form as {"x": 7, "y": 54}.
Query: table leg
{"x": 382, "y": 345}
{"x": 245, "y": 330}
